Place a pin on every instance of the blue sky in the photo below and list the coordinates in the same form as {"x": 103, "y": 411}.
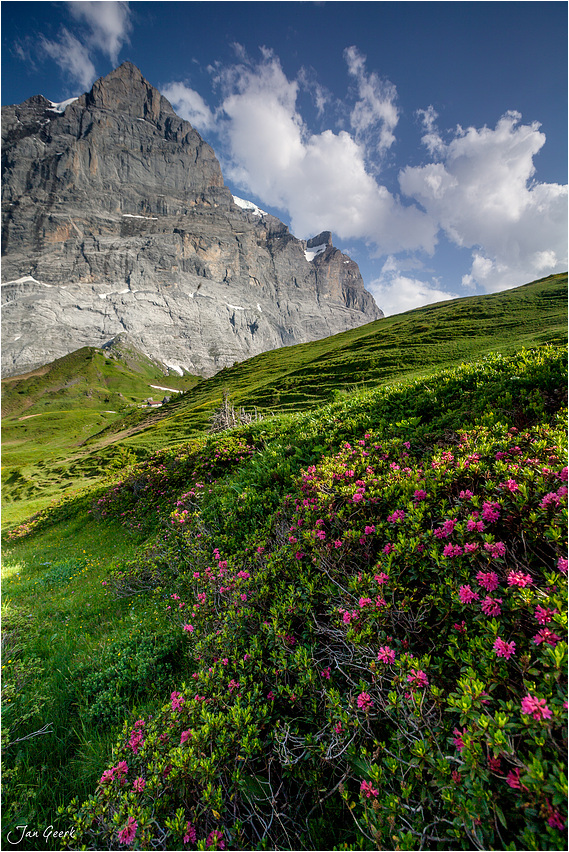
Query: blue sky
{"x": 430, "y": 138}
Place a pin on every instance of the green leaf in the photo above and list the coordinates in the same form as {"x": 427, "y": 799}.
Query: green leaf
{"x": 499, "y": 813}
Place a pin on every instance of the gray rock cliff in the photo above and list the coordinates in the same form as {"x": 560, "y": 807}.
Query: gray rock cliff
{"x": 116, "y": 218}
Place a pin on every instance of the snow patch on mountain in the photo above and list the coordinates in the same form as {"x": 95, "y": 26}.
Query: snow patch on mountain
{"x": 115, "y": 293}
{"x": 248, "y": 206}
{"x": 60, "y": 107}
{"x": 176, "y": 368}
{"x": 311, "y": 253}
{"x": 171, "y": 390}
{"x": 24, "y": 280}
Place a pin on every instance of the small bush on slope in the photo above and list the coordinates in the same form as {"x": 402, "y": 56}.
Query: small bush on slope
{"x": 387, "y": 651}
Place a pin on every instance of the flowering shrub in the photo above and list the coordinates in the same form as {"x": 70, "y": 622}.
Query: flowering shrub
{"x": 350, "y": 628}
{"x": 151, "y": 489}
{"x": 395, "y": 662}
{"x": 483, "y": 666}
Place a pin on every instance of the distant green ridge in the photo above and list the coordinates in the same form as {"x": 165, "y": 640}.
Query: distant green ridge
{"x": 88, "y": 378}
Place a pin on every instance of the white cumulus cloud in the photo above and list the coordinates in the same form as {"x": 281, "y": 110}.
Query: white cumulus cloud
{"x": 477, "y": 186}
{"x": 396, "y": 292}
{"x": 190, "y": 105}
{"x": 321, "y": 179}
{"x": 104, "y": 26}
{"x": 482, "y": 193}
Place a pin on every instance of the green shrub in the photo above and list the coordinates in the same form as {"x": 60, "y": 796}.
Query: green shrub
{"x": 360, "y": 622}
{"x": 129, "y": 670}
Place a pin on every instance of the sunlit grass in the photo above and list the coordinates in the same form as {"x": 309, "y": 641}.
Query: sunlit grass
{"x": 59, "y": 618}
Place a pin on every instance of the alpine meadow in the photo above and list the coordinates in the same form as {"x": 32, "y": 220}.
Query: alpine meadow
{"x": 284, "y": 426}
{"x": 317, "y": 601}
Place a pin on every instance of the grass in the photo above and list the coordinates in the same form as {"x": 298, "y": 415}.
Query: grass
{"x": 82, "y": 657}
{"x": 59, "y": 621}
{"x": 48, "y": 414}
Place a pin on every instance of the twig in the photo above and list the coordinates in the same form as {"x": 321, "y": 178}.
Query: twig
{"x": 45, "y": 730}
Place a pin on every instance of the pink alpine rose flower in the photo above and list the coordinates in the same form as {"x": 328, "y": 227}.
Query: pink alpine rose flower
{"x": 548, "y": 636}
{"x": 177, "y": 700}
{"x": 495, "y": 549}
{"x": 215, "y": 837}
{"x": 190, "y": 835}
{"x": 452, "y": 550}
{"x": 368, "y": 791}
{"x": 535, "y": 707}
{"x": 397, "y": 515}
{"x": 127, "y": 835}
{"x": 466, "y": 595}
{"x": 488, "y": 580}
{"x": 543, "y": 615}
{"x": 364, "y": 702}
{"x": 417, "y": 678}
{"x": 491, "y": 606}
{"x": 491, "y": 512}
{"x": 504, "y": 649}
{"x": 458, "y": 739}
{"x": 518, "y": 578}
{"x": 513, "y": 780}
{"x": 386, "y": 654}
{"x": 551, "y": 499}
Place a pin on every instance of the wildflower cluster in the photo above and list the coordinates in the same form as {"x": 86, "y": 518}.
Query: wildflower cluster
{"x": 397, "y": 628}
{"x": 152, "y": 487}
{"x": 369, "y": 653}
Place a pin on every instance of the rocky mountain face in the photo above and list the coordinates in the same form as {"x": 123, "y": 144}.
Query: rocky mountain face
{"x": 116, "y": 219}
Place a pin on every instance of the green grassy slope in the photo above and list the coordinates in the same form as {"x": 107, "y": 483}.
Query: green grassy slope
{"x": 407, "y": 345}
{"x": 49, "y": 412}
{"x": 341, "y": 628}
{"x": 87, "y": 378}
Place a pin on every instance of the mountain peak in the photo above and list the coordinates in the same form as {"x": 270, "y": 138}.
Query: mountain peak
{"x": 125, "y": 90}
{"x": 127, "y": 226}
{"x": 322, "y": 239}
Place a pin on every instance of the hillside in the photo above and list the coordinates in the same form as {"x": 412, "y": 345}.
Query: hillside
{"x": 77, "y": 444}
{"x": 49, "y": 412}
{"x": 392, "y": 349}
{"x": 340, "y": 628}
{"x": 89, "y": 378}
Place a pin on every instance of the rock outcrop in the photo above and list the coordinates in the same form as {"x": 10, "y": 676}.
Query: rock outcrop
{"x": 116, "y": 218}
